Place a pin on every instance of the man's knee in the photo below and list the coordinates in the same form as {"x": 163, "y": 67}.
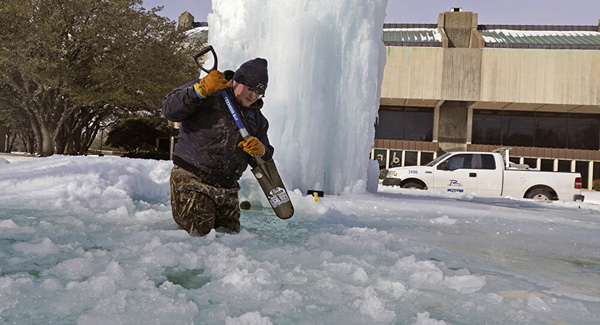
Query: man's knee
{"x": 228, "y": 215}
{"x": 192, "y": 210}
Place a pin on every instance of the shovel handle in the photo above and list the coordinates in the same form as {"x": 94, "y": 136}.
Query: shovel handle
{"x": 236, "y": 117}
{"x": 201, "y": 53}
{"x": 238, "y": 122}
{"x": 226, "y": 97}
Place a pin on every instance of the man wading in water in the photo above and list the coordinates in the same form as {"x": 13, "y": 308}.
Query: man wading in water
{"x": 210, "y": 155}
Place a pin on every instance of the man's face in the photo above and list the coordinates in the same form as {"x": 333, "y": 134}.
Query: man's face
{"x": 245, "y": 96}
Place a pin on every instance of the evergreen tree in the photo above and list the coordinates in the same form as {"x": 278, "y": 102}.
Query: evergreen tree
{"x": 69, "y": 64}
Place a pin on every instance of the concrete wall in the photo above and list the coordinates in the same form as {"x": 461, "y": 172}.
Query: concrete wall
{"x": 186, "y": 21}
{"x": 458, "y": 27}
{"x": 413, "y": 72}
{"x": 541, "y": 76}
{"x": 461, "y": 74}
{"x": 562, "y": 77}
{"x": 452, "y": 132}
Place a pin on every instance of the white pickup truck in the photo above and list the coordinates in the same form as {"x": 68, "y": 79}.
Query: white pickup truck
{"x": 487, "y": 173}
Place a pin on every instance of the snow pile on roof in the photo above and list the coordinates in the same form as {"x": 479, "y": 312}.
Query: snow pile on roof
{"x": 424, "y": 34}
{"x": 194, "y": 31}
{"x": 503, "y": 34}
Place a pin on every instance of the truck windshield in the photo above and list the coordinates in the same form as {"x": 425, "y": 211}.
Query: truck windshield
{"x": 438, "y": 159}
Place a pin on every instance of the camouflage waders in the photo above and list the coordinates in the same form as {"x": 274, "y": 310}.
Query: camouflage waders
{"x": 198, "y": 208}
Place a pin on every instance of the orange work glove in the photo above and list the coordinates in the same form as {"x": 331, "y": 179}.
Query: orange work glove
{"x": 252, "y": 146}
{"x": 213, "y": 82}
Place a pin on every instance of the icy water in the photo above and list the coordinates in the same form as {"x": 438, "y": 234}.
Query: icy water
{"x": 91, "y": 241}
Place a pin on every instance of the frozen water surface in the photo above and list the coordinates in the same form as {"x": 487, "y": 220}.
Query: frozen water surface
{"x": 90, "y": 240}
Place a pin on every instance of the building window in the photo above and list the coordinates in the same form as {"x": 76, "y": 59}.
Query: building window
{"x": 515, "y": 160}
{"x": 404, "y": 123}
{"x": 536, "y": 129}
{"x": 564, "y": 166}
{"x": 426, "y": 158}
{"x": 551, "y": 130}
{"x": 418, "y": 124}
{"x": 487, "y": 127}
{"x": 410, "y": 158}
{"x": 390, "y": 125}
{"x": 547, "y": 165}
{"x": 531, "y": 162}
{"x": 517, "y": 129}
{"x": 583, "y": 132}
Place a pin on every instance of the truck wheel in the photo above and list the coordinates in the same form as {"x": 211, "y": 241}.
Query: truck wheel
{"x": 539, "y": 194}
{"x": 413, "y": 185}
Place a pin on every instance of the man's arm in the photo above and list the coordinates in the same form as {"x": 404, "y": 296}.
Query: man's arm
{"x": 181, "y": 102}
{"x": 185, "y": 100}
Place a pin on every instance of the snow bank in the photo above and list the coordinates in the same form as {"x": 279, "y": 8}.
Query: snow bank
{"x": 87, "y": 184}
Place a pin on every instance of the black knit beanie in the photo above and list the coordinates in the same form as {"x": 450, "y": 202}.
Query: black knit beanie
{"x": 253, "y": 74}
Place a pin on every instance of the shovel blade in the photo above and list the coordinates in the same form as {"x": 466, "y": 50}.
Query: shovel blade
{"x": 268, "y": 177}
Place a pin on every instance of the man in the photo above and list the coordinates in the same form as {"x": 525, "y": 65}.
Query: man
{"x": 211, "y": 155}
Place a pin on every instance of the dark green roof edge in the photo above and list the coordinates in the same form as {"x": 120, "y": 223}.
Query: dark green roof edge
{"x": 560, "y": 28}
{"x": 541, "y": 39}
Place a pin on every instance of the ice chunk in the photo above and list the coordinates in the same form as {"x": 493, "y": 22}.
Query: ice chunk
{"x": 77, "y": 268}
{"x": 252, "y": 318}
{"x": 8, "y": 224}
{"x": 394, "y": 289}
{"x": 536, "y": 303}
{"x": 43, "y": 247}
{"x": 444, "y": 220}
{"x": 465, "y": 283}
{"x": 373, "y": 176}
{"x": 373, "y": 306}
{"x": 423, "y": 319}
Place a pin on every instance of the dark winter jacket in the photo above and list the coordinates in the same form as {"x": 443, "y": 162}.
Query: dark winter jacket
{"x": 208, "y": 135}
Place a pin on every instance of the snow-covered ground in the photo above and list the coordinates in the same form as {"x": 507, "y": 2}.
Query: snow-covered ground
{"x": 90, "y": 240}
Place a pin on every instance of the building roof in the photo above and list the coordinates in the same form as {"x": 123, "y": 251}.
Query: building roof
{"x": 500, "y": 36}
{"x": 541, "y": 37}
{"x": 412, "y": 35}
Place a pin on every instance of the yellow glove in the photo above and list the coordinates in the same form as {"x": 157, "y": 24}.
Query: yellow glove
{"x": 213, "y": 82}
{"x": 252, "y": 146}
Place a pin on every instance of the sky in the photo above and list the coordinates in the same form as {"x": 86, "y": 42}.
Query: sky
{"x": 91, "y": 240}
{"x": 531, "y": 12}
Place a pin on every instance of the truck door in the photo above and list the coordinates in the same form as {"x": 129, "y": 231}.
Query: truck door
{"x": 489, "y": 175}
{"x": 456, "y": 174}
